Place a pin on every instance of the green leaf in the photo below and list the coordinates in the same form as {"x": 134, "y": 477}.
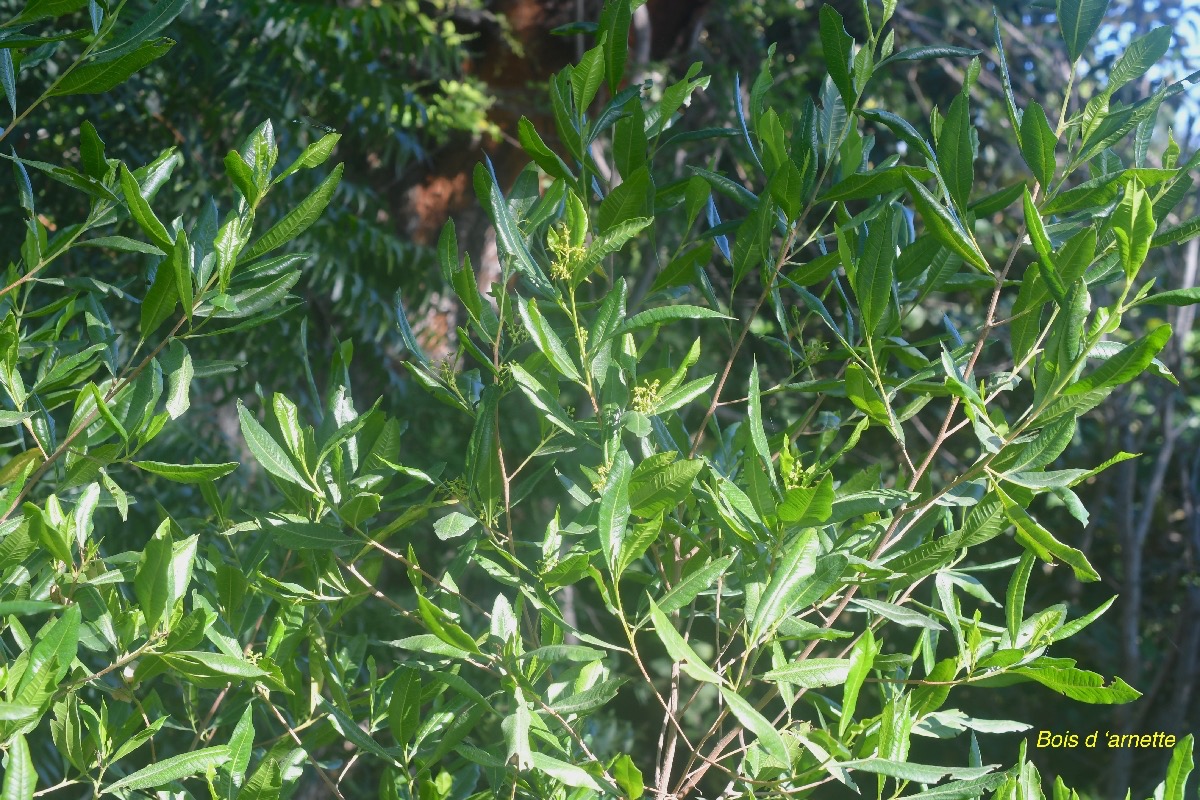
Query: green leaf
{"x": 265, "y": 784}
{"x": 1175, "y": 297}
{"x": 789, "y": 577}
{"x": 1178, "y": 771}
{"x": 770, "y": 739}
{"x": 753, "y": 243}
{"x": 1079, "y": 20}
{"x": 758, "y": 435}
{"x": 187, "y": 473}
{"x": 267, "y": 451}
{"x": 812, "y": 673}
{"x": 838, "y": 49}
{"x": 929, "y": 52}
{"x": 483, "y": 461}
{"x": 171, "y": 769}
{"x": 314, "y": 155}
{"x": 1037, "y": 144}
{"x": 242, "y": 176}
{"x": 955, "y": 153}
{"x": 177, "y": 368}
{"x": 160, "y": 302}
{"x": 156, "y": 18}
{"x": 1014, "y": 601}
{"x": 213, "y": 670}
{"x": 20, "y": 778}
{"x": 657, "y": 316}
{"x": 508, "y": 235}
{"x": 615, "y": 19}
{"x": 8, "y": 80}
{"x": 298, "y": 535}
{"x": 898, "y": 614}
{"x": 1183, "y": 232}
{"x": 154, "y": 582}
{"x": 661, "y": 489}
{"x": 404, "y": 707}
{"x": 1042, "y": 543}
{"x": 547, "y": 341}
{"x": 614, "y": 509}
{"x": 875, "y": 273}
{"x": 1130, "y": 362}
{"x": 1041, "y": 245}
{"x": 1077, "y": 684}
{"x": 97, "y": 76}
{"x": 679, "y": 649}
{"x": 241, "y": 746}
{"x": 298, "y": 220}
{"x": 1133, "y": 225}
{"x": 881, "y": 181}
{"x": 633, "y": 199}
{"x": 531, "y": 142}
{"x": 41, "y": 9}
{"x": 143, "y": 215}
{"x": 444, "y": 628}
{"x": 807, "y": 506}
{"x": 1142, "y": 53}
{"x": 944, "y": 227}
{"x": 515, "y": 729}
{"x": 628, "y": 777}
{"x": 586, "y": 77}
{"x": 862, "y": 656}
{"x": 908, "y": 771}
{"x": 686, "y": 590}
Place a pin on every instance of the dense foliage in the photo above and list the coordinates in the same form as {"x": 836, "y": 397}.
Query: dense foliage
{"x": 734, "y": 497}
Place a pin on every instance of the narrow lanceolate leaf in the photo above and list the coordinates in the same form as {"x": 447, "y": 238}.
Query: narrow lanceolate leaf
{"x": 142, "y": 214}
{"x": 839, "y": 47}
{"x": 679, "y": 650}
{"x": 1142, "y": 53}
{"x": 758, "y": 434}
{"x": 95, "y": 77}
{"x": 788, "y": 580}
{"x": 177, "y": 367}
{"x": 862, "y": 656}
{"x": 944, "y": 227}
{"x": 1042, "y": 543}
{"x": 1037, "y": 144}
{"x": 615, "y": 19}
{"x": 1014, "y": 602}
{"x": 156, "y": 18}
{"x": 298, "y": 535}
{"x": 1041, "y": 245}
{"x": 241, "y": 745}
{"x": 267, "y": 451}
{"x": 1175, "y": 297}
{"x": 20, "y": 778}
{"x": 8, "y": 79}
{"x": 546, "y": 339}
{"x": 404, "y": 707}
{"x": 686, "y": 590}
{"x": 1079, "y": 20}
{"x": 508, "y": 235}
{"x": 297, "y": 220}
{"x": 770, "y": 739}
{"x": 1183, "y": 232}
{"x": 955, "y": 153}
{"x": 542, "y": 155}
{"x": 187, "y": 473}
{"x": 154, "y": 584}
{"x": 1126, "y": 365}
{"x": 1178, "y": 771}
{"x": 1134, "y": 225}
{"x": 1081, "y": 685}
{"x": 656, "y": 316}
{"x": 873, "y": 278}
{"x": 812, "y": 673}
{"x": 614, "y": 509}
{"x": 171, "y": 769}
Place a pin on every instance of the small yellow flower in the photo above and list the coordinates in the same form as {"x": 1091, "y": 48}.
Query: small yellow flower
{"x": 646, "y": 397}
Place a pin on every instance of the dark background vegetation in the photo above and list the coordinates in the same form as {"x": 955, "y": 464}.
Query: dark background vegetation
{"x": 422, "y": 90}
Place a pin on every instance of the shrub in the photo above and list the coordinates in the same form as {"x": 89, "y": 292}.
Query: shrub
{"x": 754, "y": 561}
